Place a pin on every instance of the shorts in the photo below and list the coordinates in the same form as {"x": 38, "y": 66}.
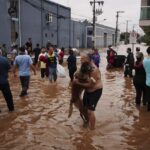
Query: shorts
{"x": 90, "y": 99}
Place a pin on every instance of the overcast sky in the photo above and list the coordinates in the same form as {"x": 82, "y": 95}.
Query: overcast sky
{"x": 83, "y": 10}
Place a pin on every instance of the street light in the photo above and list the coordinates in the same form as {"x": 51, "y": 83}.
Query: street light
{"x": 116, "y": 31}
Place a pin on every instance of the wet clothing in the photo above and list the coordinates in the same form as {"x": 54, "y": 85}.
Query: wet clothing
{"x": 23, "y": 62}
{"x": 4, "y": 67}
{"x": 111, "y": 56}
{"x": 61, "y": 57}
{"x": 36, "y": 51}
{"x": 129, "y": 64}
{"x": 25, "y": 84}
{"x": 148, "y": 97}
{"x": 72, "y": 66}
{"x": 139, "y": 81}
{"x": 146, "y": 64}
{"x": 4, "y": 84}
{"x": 42, "y": 65}
{"x": 52, "y": 66}
{"x": 96, "y": 59}
{"x": 90, "y": 99}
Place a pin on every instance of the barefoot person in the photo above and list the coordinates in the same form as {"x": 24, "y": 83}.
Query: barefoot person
{"x": 93, "y": 91}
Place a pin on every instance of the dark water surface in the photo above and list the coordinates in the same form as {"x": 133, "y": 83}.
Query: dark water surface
{"x": 40, "y": 120}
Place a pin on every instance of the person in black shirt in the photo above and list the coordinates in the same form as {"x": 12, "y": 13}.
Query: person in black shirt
{"x": 36, "y": 51}
{"x": 129, "y": 64}
{"x": 4, "y": 84}
{"x": 72, "y": 66}
{"x": 139, "y": 80}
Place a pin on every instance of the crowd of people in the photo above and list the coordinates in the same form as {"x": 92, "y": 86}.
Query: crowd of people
{"x": 138, "y": 70}
{"x": 86, "y": 79}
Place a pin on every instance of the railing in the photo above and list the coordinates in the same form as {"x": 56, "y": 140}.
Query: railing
{"x": 145, "y": 13}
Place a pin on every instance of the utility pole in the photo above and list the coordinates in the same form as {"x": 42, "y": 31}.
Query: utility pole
{"x": 126, "y": 35}
{"x": 19, "y": 23}
{"x": 116, "y": 31}
{"x": 41, "y": 23}
{"x": 96, "y": 12}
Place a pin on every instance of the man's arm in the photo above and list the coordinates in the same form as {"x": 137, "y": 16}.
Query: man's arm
{"x": 33, "y": 68}
{"x": 84, "y": 85}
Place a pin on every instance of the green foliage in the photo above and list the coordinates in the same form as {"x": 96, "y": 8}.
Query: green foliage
{"x": 123, "y": 37}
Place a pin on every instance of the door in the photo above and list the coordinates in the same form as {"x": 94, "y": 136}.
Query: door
{"x": 105, "y": 39}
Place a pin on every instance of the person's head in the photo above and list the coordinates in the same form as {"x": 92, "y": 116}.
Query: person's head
{"x": 140, "y": 56}
{"x": 48, "y": 45}
{"x": 128, "y": 50}
{"x": 86, "y": 68}
{"x": 63, "y": 49}
{"x": 4, "y": 45}
{"x": 148, "y": 50}
{"x": 22, "y": 49}
{"x": 109, "y": 46}
{"x": 50, "y": 49}
{"x": 37, "y": 45}
{"x": 71, "y": 52}
{"x": 43, "y": 50}
{"x": 137, "y": 49}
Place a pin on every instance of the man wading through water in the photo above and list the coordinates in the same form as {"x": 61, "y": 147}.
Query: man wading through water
{"x": 93, "y": 91}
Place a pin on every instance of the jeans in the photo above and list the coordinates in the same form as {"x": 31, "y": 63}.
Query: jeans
{"x": 24, "y": 83}
{"x": 5, "y": 88}
{"x": 52, "y": 74}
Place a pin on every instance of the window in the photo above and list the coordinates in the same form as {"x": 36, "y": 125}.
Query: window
{"x": 148, "y": 2}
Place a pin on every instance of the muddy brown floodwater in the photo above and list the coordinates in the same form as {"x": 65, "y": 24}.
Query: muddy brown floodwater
{"x": 40, "y": 121}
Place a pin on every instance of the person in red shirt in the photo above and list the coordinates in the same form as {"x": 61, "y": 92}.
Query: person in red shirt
{"x": 61, "y": 55}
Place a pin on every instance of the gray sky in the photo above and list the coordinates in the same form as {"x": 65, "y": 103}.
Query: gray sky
{"x": 83, "y": 10}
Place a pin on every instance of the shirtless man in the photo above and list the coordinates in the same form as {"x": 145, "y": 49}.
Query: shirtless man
{"x": 83, "y": 75}
{"x": 93, "y": 91}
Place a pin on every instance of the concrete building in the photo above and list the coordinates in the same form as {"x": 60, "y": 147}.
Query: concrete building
{"x": 145, "y": 14}
{"x": 43, "y": 21}
{"x": 104, "y": 36}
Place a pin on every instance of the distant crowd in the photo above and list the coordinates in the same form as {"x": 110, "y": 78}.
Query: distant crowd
{"x": 86, "y": 78}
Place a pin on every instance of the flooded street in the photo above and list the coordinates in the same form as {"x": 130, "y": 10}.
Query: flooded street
{"x": 40, "y": 120}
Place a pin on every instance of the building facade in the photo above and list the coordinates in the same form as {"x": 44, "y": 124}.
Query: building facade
{"x": 43, "y": 21}
{"x": 145, "y": 14}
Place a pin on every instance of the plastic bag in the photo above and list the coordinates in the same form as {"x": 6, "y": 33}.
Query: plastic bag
{"x": 61, "y": 71}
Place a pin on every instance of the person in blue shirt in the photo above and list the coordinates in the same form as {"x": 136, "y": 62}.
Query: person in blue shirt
{"x": 96, "y": 57}
{"x": 4, "y": 84}
{"x": 146, "y": 64}
{"x": 23, "y": 62}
